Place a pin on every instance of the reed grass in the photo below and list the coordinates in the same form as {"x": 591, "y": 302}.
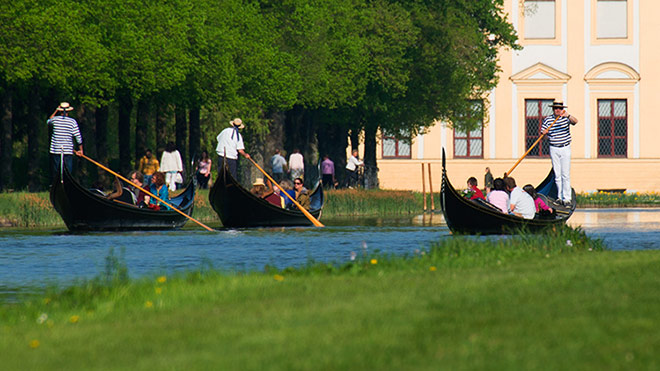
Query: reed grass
{"x": 527, "y": 302}
{"x": 24, "y": 209}
{"x": 616, "y": 199}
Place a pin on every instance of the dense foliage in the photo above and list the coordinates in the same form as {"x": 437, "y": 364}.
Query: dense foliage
{"x": 141, "y": 74}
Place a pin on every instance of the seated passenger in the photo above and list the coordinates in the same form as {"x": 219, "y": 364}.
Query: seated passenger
{"x": 137, "y": 180}
{"x": 287, "y": 186}
{"x": 302, "y": 196}
{"x": 498, "y": 196}
{"x": 520, "y": 202}
{"x": 473, "y": 191}
{"x": 98, "y": 188}
{"x": 159, "y": 189}
{"x": 259, "y": 188}
{"x": 541, "y": 207}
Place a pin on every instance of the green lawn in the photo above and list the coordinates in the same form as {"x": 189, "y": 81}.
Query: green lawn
{"x": 533, "y": 302}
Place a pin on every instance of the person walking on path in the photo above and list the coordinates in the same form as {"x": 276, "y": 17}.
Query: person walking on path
{"x": 64, "y": 130}
{"x": 230, "y": 145}
{"x": 488, "y": 181}
{"x": 296, "y": 164}
{"x": 327, "y": 172}
{"x": 352, "y": 166}
{"x": 278, "y": 164}
{"x": 560, "y": 148}
{"x": 171, "y": 165}
{"x": 148, "y": 166}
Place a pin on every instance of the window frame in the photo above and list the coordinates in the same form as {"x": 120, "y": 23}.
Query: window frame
{"x": 628, "y": 40}
{"x": 612, "y": 137}
{"x": 396, "y": 147}
{"x": 556, "y": 40}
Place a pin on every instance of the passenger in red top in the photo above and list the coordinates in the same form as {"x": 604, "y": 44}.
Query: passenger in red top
{"x": 472, "y": 187}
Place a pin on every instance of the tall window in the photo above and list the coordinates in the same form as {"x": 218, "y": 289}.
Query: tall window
{"x": 470, "y": 144}
{"x": 395, "y": 148}
{"x": 612, "y": 128}
{"x": 535, "y": 111}
{"x": 612, "y": 19}
{"x": 539, "y": 19}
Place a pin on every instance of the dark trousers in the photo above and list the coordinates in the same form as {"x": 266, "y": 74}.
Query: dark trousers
{"x": 232, "y": 164}
{"x": 55, "y": 164}
{"x": 328, "y": 181}
{"x": 278, "y": 177}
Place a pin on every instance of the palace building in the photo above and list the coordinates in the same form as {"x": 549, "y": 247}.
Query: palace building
{"x": 601, "y": 58}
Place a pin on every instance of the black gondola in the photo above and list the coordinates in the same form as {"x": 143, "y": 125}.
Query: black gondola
{"x": 85, "y": 210}
{"x": 479, "y": 217}
{"x": 238, "y": 208}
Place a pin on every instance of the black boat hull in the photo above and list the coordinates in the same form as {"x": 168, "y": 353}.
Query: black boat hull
{"x": 83, "y": 210}
{"x": 465, "y": 216}
{"x": 238, "y": 208}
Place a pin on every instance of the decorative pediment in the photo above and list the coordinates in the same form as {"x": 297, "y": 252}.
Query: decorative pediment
{"x": 540, "y": 74}
{"x": 612, "y": 73}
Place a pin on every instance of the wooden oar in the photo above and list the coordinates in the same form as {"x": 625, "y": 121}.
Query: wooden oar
{"x": 304, "y": 211}
{"x": 147, "y": 192}
{"x": 530, "y": 149}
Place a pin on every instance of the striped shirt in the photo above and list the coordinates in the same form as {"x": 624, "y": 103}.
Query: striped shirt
{"x": 64, "y": 130}
{"x": 559, "y": 134}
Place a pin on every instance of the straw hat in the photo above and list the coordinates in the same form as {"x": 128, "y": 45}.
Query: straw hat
{"x": 259, "y": 181}
{"x": 237, "y": 122}
{"x": 558, "y": 105}
{"x": 65, "y": 106}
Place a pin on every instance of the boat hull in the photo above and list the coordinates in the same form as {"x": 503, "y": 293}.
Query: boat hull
{"x": 83, "y": 210}
{"x": 238, "y": 208}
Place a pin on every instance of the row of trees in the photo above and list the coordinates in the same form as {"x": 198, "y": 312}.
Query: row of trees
{"x": 302, "y": 73}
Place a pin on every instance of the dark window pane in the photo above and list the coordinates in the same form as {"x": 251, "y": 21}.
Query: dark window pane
{"x": 545, "y": 146}
{"x": 604, "y": 147}
{"x": 532, "y": 127}
{"x": 604, "y": 127}
{"x": 620, "y": 127}
{"x": 620, "y": 147}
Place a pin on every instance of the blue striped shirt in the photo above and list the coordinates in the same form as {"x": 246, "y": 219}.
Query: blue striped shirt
{"x": 559, "y": 134}
{"x": 64, "y": 130}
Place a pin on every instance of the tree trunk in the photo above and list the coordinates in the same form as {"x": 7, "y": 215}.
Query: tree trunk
{"x": 181, "y": 129}
{"x": 333, "y": 140}
{"x": 124, "y": 129}
{"x": 6, "y": 128}
{"x": 34, "y": 123}
{"x": 370, "y": 165}
{"x": 88, "y": 131}
{"x": 141, "y": 128}
{"x": 161, "y": 126}
{"x": 195, "y": 138}
{"x": 101, "y": 115}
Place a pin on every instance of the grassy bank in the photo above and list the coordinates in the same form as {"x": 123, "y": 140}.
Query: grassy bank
{"x": 23, "y": 209}
{"x": 534, "y": 302}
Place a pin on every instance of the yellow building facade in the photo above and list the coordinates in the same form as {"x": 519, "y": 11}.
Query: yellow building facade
{"x": 601, "y": 58}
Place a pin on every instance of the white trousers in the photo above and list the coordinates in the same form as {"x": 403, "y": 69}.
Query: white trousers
{"x": 561, "y": 164}
{"x": 170, "y": 180}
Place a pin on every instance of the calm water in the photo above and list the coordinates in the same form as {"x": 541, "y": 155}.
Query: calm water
{"x": 31, "y": 258}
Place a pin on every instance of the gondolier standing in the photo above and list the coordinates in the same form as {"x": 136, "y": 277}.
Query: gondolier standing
{"x": 559, "y": 135}
{"x": 64, "y": 130}
{"x": 230, "y": 144}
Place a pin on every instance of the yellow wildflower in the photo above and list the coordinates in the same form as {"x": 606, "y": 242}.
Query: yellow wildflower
{"x": 277, "y": 277}
{"x": 74, "y": 318}
{"x": 148, "y": 304}
{"x": 433, "y": 269}
{"x": 374, "y": 261}
{"x": 34, "y": 344}
{"x": 161, "y": 279}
